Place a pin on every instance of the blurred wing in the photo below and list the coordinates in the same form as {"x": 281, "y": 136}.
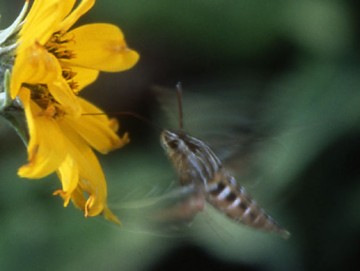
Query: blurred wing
{"x": 227, "y": 120}
{"x": 168, "y": 213}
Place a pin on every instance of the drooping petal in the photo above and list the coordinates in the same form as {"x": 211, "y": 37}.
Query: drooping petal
{"x": 82, "y": 203}
{"x": 91, "y": 192}
{"x": 109, "y": 215}
{"x": 97, "y": 113}
{"x": 78, "y": 198}
{"x": 99, "y": 136}
{"x": 64, "y": 95}
{"x": 80, "y": 10}
{"x": 46, "y": 149}
{"x": 89, "y": 108}
{"x": 101, "y": 47}
{"x": 98, "y": 133}
{"x": 68, "y": 173}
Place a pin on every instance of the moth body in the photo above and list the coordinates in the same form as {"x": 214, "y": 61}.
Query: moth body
{"x": 196, "y": 164}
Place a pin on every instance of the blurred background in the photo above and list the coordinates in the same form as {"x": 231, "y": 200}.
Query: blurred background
{"x": 274, "y": 87}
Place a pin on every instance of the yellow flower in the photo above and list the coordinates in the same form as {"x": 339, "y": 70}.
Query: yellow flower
{"x": 61, "y": 142}
{"x": 66, "y": 61}
{"x": 52, "y": 64}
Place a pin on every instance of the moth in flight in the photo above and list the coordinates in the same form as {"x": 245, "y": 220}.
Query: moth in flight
{"x": 200, "y": 169}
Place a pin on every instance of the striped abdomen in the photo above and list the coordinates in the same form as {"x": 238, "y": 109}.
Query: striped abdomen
{"x": 230, "y": 198}
{"x": 197, "y": 165}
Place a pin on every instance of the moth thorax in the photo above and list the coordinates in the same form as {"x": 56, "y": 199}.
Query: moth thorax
{"x": 193, "y": 159}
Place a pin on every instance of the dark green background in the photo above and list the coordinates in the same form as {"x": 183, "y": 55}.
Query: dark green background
{"x": 283, "y": 74}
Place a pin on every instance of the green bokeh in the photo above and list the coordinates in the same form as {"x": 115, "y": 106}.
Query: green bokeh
{"x": 287, "y": 72}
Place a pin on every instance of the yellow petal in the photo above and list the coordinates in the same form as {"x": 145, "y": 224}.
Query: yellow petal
{"x": 84, "y": 77}
{"x": 110, "y": 216}
{"x": 43, "y": 19}
{"x": 46, "y": 149}
{"x": 89, "y": 108}
{"x": 80, "y": 10}
{"x": 66, "y": 196}
{"x": 68, "y": 173}
{"x": 83, "y": 203}
{"x": 33, "y": 66}
{"x": 100, "y": 47}
{"x": 64, "y": 95}
{"x": 95, "y": 112}
{"x": 91, "y": 177}
{"x": 98, "y": 133}
{"x": 36, "y": 66}
{"x": 78, "y": 198}
{"x": 99, "y": 136}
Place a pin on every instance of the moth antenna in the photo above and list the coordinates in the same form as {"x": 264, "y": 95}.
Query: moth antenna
{"x": 131, "y": 114}
{"x": 180, "y": 107}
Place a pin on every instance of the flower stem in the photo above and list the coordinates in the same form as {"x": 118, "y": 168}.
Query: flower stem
{"x": 16, "y": 125}
{"x": 9, "y": 109}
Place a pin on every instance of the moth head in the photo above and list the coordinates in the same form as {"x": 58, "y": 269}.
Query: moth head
{"x": 170, "y": 141}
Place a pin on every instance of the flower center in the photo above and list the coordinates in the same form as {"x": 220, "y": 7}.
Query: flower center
{"x": 40, "y": 94}
{"x": 56, "y": 45}
{"x": 42, "y": 97}
{"x": 68, "y": 75}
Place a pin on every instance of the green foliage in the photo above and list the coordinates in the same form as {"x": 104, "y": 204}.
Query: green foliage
{"x": 292, "y": 69}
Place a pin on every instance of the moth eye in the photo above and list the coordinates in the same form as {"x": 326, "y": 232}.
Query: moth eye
{"x": 173, "y": 144}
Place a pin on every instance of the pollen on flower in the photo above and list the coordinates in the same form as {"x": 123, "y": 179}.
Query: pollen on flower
{"x": 43, "y": 98}
{"x": 68, "y": 75}
{"x": 50, "y": 112}
{"x": 57, "y": 46}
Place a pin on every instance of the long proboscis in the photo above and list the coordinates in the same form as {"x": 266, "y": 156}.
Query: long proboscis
{"x": 130, "y": 114}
